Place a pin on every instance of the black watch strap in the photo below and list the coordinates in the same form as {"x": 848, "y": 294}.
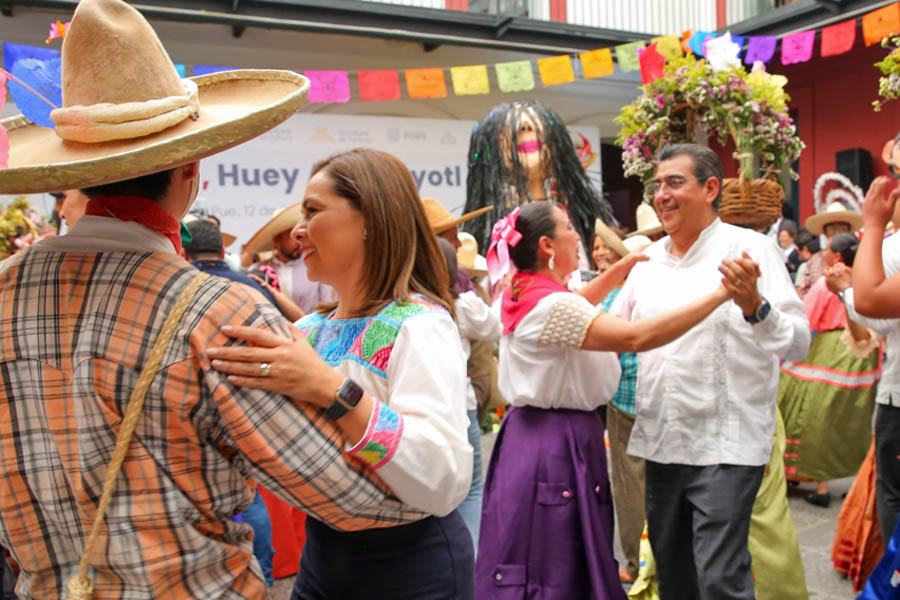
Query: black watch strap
{"x": 345, "y": 400}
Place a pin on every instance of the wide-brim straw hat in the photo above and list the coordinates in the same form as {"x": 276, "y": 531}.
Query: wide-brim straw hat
{"x": 284, "y": 220}
{"x": 127, "y": 113}
{"x": 648, "y": 223}
{"x": 467, "y": 256}
{"x": 834, "y": 213}
{"x": 440, "y": 218}
{"x": 610, "y": 238}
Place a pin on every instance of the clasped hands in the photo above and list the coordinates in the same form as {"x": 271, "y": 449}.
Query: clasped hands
{"x": 739, "y": 277}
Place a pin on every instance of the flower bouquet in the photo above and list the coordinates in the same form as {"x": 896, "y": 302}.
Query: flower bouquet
{"x": 695, "y": 100}
{"x": 21, "y": 226}
{"x": 889, "y": 83}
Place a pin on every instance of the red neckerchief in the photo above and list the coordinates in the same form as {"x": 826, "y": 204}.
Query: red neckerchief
{"x": 140, "y": 210}
{"x": 523, "y": 293}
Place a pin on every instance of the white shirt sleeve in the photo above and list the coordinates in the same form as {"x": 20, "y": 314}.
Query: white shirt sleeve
{"x": 890, "y": 257}
{"x": 785, "y": 332}
{"x": 431, "y": 468}
{"x": 475, "y": 318}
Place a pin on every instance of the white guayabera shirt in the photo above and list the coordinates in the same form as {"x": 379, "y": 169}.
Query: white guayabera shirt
{"x": 709, "y": 397}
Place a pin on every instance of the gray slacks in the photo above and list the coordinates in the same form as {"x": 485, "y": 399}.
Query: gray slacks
{"x": 627, "y": 486}
{"x": 698, "y": 519}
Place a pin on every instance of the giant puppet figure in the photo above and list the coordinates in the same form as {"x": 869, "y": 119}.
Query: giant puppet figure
{"x": 522, "y": 152}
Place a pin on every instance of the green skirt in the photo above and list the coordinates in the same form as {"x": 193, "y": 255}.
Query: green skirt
{"x": 827, "y": 403}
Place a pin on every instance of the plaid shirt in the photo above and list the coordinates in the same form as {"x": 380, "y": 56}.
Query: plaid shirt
{"x": 623, "y": 399}
{"x": 75, "y": 330}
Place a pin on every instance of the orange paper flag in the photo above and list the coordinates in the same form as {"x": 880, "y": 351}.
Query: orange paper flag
{"x": 597, "y": 63}
{"x": 881, "y": 23}
{"x": 686, "y": 41}
{"x": 425, "y": 83}
{"x": 556, "y": 70}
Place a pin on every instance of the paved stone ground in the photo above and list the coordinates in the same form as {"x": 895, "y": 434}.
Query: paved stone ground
{"x": 815, "y": 529}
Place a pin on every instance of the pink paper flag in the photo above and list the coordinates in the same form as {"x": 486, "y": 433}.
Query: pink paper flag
{"x": 652, "y": 63}
{"x": 328, "y": 87}
{"x": 760, "y": 48}
{"x": 838, "y": 38}
{"x": 797, "y": 48}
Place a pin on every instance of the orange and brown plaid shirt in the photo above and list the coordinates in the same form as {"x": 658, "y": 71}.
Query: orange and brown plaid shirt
{"x": 75, "y": 329}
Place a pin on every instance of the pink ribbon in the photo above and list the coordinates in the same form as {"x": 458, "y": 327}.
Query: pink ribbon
{"x": 503, "y": 235}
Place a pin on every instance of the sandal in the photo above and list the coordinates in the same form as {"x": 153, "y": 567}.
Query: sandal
{"x": 822, "y": 500}
{"x": 624, "y": 577}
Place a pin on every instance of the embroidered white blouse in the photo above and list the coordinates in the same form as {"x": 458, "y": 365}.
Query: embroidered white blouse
{"x": 408, "y": 358}
{"x": 709, "y": 397}
{"x": 542, "y": 364}
{"x": 476, "y": 321}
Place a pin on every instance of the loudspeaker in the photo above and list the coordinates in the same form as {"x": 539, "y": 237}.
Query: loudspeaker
{"x": 856, "y": 165}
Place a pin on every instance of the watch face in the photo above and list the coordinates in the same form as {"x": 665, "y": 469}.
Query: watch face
{"x": 763, "y": 311}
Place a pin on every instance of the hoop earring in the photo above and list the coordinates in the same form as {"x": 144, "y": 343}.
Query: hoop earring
{"x": 552, "y": 263}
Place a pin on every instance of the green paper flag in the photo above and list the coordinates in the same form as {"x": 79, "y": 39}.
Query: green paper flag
{"x": 627, "y": 56}
{"x": 516, "y": 76}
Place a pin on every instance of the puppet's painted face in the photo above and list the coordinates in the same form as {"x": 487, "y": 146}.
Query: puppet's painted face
{"x": 891, "y": 155}
{"x": 530, "y": 143}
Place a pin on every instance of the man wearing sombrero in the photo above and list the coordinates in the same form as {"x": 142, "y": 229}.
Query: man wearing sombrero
{"x": 286, "y": 260}
{"x": 108, "y": 318}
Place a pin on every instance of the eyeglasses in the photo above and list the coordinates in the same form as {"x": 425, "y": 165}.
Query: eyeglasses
{"x": 672, "y": 182}
{"x": 835, "y": 228}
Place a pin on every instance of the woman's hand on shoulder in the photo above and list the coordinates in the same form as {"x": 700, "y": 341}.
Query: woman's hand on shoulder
{"x": 270, "y": 362}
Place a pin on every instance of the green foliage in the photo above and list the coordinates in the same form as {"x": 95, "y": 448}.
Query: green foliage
{"x": 889, "y": 83}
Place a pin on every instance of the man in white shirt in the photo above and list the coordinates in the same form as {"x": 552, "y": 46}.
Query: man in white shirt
{"x": 706, "y": 402}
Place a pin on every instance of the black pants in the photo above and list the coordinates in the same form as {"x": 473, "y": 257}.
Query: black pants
{"x": 887, "y": 468}
{"x": 699, "y": 519}
{"x": 432, "y": 559}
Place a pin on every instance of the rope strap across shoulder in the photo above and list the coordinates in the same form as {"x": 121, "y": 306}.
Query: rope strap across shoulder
{"x": 80, "y": 586}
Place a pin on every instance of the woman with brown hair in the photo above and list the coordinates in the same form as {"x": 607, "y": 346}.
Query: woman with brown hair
{"x": 385, "y": 363}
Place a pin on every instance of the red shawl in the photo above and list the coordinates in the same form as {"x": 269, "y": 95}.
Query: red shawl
{"x": 523, "y": 293}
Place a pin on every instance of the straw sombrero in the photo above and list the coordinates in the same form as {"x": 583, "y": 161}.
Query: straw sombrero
{"x": 467, "y": 256}
{"x": 440, "y": 218}
{"x": 836, "y": 200}
{"x": 610, "y": 238}
{"x": 264, "y": 239}
{"x": 127, "y": 113}
{"x": 647, "y": 221}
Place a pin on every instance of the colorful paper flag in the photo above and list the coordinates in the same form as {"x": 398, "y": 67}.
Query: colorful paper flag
{"x": 797, "y": 47}
{"x": 669, "y": 46}
{"x": 471, "y": 80}
{"x": 13, "y": 53}
{"x": 43, "y": 76}
{"x": 556, "y": 70}
{"x": 698, "y": 40}
{"x": 686, "y": 40}
{"x": 379, "y": 85}
{"x": 838, "y": 38}
{"x": 739, "y": 40}
{"x": 652, "y": 64}
{"x": 4, "y": 148}
{"x": 425, "y": 83}
{"x": 57, "y": 31}
{"x": 182, "y": 70}
{"x": 881, "y": 23}
{"x": 597, "y": 63}
{"x": 722, "y": 53}
{"x": 207, "y": 69}
{"x": 515, "y": 76}
{"x": 328, "y": 87}
{"x": 760, "y": 48}
{"x": 626, "y": 55}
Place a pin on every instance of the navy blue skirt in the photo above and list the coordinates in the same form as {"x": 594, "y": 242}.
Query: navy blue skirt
{"x": 431, "y": 559}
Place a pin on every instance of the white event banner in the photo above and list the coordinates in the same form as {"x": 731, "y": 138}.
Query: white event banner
{"x": 245, "y": 185}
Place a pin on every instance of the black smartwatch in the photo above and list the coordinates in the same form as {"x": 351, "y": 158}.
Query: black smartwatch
{"x": 345, "y": 400}
{"x": 762, "y": 311}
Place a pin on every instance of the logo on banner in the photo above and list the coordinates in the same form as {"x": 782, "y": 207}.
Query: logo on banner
{"x": 448, "y": 139}
{"x": 321, "y": 134}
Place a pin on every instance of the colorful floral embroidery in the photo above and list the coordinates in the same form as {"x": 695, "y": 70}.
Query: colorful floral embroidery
{"x": 366, "y": 341}
{"x": 382, "y": 435}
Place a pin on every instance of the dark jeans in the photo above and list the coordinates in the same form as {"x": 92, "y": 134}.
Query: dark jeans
{"x": 431, "y": 559}
{"x": 698, "y": 518}
{"x": 887, "y": 468}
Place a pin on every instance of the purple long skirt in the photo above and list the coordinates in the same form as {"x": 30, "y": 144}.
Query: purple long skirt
{"x": 547, "y": 521}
